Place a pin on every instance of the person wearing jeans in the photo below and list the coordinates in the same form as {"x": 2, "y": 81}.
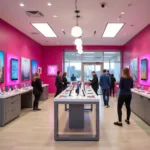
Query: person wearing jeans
{"x": 125, "y": 96}
{"x": 105, "y": 85}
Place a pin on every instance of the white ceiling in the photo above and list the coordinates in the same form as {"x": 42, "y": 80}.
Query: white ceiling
{"x": 93, "y": 17}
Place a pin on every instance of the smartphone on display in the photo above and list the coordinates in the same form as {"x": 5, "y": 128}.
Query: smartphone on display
{"x": 138, "y": 86}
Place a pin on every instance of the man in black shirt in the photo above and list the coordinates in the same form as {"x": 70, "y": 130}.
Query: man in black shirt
{"x": 58, "y": 83}
{"x": 94, "y": 82}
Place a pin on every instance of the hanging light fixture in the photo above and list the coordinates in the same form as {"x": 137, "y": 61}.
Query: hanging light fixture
{"x": 78, "y": 41}
{"x": 76, "y": 30}
{"x": 79, "y": 47}
{"x": 80, "y": 52}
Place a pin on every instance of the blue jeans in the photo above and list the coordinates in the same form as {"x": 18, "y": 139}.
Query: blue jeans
{"x": 106, "y": 96}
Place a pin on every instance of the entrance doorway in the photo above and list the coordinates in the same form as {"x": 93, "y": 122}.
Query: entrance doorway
{"x": 87, "y": 69}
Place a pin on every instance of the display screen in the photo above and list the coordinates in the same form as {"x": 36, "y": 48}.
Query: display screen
{"x": 34, "y": 66}
{"x": 25, "y": 69}
{"x": 1, "y": 67}
{"x": 144, "y": 69}
{"x": 14, "y": 69}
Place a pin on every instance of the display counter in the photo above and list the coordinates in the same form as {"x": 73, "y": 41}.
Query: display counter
{"x": 12, "y": 102}
{"x": 140, "y": 104}
{"x": 76, "y": 113}
{"x": 44, "y": 95}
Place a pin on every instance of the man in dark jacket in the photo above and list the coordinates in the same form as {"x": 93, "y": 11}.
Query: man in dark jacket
{"x": 105, "y": 85}
{"x": 94, "y": 82}
{"x": 58, "y": 83}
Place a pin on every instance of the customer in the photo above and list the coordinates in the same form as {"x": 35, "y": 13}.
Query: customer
{"x": 126, "y": 83}
{"x": 58, "y": 83}
{"x": 94, "y": 82}
{"x": 37, "y": 90}
{"x": 112, "y": 86}
{"x": 64, "y": 80}
{"x": 73, "y": 78}
{"x": 105, "y": 85}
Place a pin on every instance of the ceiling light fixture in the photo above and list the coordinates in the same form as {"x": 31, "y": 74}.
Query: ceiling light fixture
{"x": 78, "y": 41}
{"x": 80, "y": 52}
{"x": 55, "y": 16}
{"x": 22, "y": 4}
{"x": 76, "y": 30}
{"x": 45, "y": 29}
{"x": 112, "y": 29}
{"x": 79, "y": 47}
{"x": 49, "y": 4}
{"x": 122, "y": 13}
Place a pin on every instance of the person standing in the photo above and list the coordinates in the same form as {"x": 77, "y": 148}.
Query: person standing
{"x": 64, "y": 80}
{"x": 58, "y": 83}
{"x": 37, "y": 90}
{"x": 112, "y": 86}
{"x": 105, "y": 85}
{"x": 73, "y": 78}
{"x": 94, "y": 82}
{"x": 125, "y": 96}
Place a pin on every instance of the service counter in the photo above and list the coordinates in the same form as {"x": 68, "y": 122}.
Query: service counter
{"x": 76, "y": 113}
{"x": 12, "y": 102}
{"x": 140, "y": 104}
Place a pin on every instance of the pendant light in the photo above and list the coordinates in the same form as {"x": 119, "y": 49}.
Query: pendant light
{"x": 80, "y": 52}
{"x": 76, "y": 30}
{"x": 78, "y": 41}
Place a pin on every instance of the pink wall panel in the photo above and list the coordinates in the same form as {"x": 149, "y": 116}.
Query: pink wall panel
{"x": 54, "y": 55}
{"x": 138, "y": 47}
{"x": 19, "y": 45}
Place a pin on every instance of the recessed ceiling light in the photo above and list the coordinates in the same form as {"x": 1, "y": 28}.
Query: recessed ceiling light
{"x": 45, "y": 29}
{"x": 49, "y": 4}
{"x": 122, "y": 13}
{"x": 55, "y": 16}
{"x": 112, "y": 29}
{"x": 21, "y": 4}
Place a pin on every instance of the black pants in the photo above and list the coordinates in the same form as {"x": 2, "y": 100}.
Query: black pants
{"x": 112, "y": 89}
{"x": 58, "y": 91}
{"x": 95, "y": 90}
{"x": 106, "y": 96}
{"x": 36, "y": 101}
{"x": 121, "y": 100}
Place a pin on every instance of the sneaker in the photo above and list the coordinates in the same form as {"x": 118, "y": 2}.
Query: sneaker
{"x": 107, "y": 106}
{"x": 118, "y": 124}
{"x": 127, "y": 121}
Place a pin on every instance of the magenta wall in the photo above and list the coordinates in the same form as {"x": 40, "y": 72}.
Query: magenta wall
{"x": 53, "y": 55}
{"x": 138, "y": 47}
{"x": 14, "y": 43}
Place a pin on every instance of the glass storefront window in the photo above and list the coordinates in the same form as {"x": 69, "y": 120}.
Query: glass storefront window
{"x": 73, "y": 64}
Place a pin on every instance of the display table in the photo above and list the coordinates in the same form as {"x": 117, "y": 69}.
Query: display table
{"x": 44, "y": 95}
{"x": 140, "y": 105}
{"x": 76, "y": 113}
{"x": 12, "y": 102}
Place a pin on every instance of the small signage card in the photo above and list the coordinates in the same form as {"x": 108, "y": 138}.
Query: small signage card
{"x": 52, "y": 70}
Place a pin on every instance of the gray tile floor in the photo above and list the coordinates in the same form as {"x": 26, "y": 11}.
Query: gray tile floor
{"x": 34, "y": 131}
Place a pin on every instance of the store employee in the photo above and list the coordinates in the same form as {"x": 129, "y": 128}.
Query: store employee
{"x": 94, "y": 82}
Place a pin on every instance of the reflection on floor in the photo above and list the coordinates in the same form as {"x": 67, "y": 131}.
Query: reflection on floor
{"x": 34, "y": 131}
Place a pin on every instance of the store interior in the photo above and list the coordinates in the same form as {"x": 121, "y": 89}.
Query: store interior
{"x": 24, "y": 50}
